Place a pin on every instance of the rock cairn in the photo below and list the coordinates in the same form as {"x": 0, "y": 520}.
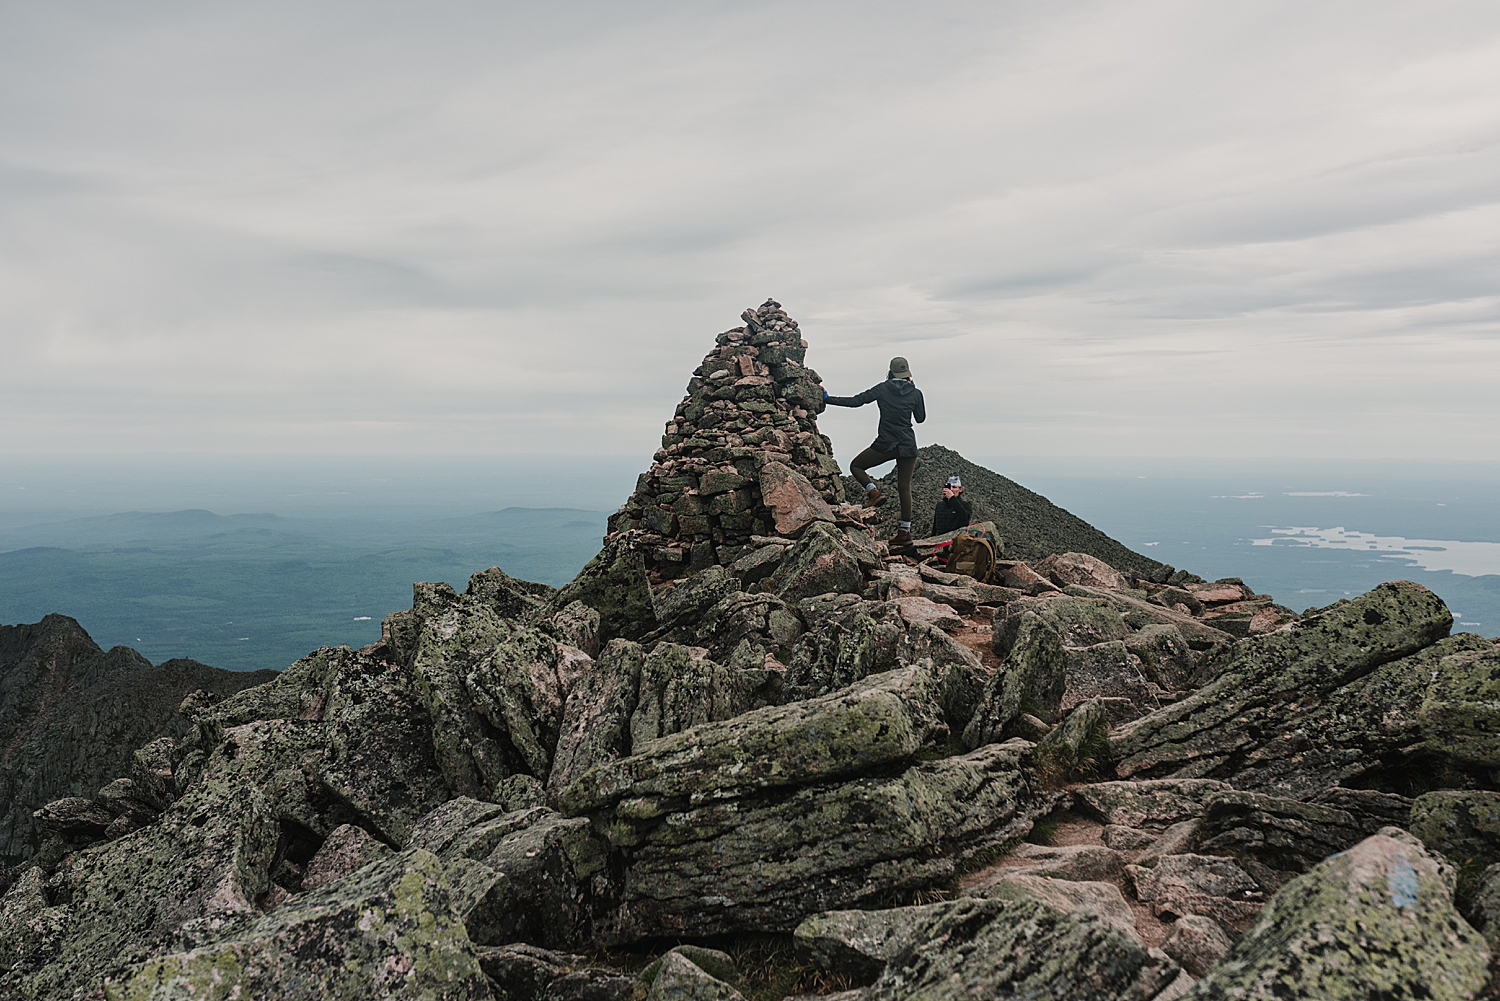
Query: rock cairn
{"x": 750, "y": 410}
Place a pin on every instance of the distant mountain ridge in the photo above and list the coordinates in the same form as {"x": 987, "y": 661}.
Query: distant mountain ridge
{"x": 71, "y": 715}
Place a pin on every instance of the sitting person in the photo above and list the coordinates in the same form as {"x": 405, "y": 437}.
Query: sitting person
{"x": 953, "y": 511}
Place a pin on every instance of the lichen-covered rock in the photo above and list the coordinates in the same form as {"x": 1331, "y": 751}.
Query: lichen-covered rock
{"x": 1321, "y": 654}
{"x": 821, "y": 562}
{"x": 1198, "y": 943}
{"x": 346, "y": 849}
{"x": 520, "y": 685}
{"x": 1155, "y": 803}
{"x": 1024, "y": 949}
{"x": 880, "y": 720}
{"x": 1066, "y": 895}
{"x": 522, "y": 972}
{"x": 1138, "y": 614}
{"x": 1460, "y": 716}
{"x": 1375, "y": 921}
{"x": 509, "y": 598}
{"x": 1278, "y": 833}
{"x": 686, "y": 601}
{"x": 1483, "y": 910}
{"x": 1032, "y": 680}
{"x": 596, "y": 719}
{"x": 851, "y": 641}
{"x": 1081, "y": 568}
{"x": 578, "y": 625}
{"x": 1080, "y": 745}
{"x": 388, "y": 931}
{"x": 615, "y": 585}
{"x": 860, "y": 943}
{"x": 1164, "y": 654}
{"x": 764, "y": 860}
{"x": 1463, "y": 824}
{"x": 1108, "y": 670}
{"x": 680, "y": 979}
{"x": 32, "y": 930}
{"x": 680, "y": 688}
{"x": 1198, "y": 884}
{"x": 1077, "y": 621}
{"x": 1086, "y": 863}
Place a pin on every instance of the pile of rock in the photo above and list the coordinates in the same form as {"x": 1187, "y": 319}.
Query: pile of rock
{"x": 746, "y": 430}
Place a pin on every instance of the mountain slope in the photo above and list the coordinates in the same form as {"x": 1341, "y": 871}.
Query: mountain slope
{"x": 1033, "y": 527}
{"x": 71, "y": 714}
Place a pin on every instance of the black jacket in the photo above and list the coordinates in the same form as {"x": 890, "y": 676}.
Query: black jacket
{"x": 952, "y": 513}
{"x": 900, "y": 400}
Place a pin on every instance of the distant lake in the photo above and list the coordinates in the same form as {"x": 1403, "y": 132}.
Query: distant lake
{"x": 247, "y": 563}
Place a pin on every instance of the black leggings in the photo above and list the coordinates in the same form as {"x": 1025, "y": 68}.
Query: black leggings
{"x": 869, "y": 457}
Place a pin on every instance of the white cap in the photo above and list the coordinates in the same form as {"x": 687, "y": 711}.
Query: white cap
{"x": 954, "y": 481}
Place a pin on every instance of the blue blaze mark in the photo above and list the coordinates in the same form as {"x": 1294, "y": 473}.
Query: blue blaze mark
{"x": 1402, "y": 881}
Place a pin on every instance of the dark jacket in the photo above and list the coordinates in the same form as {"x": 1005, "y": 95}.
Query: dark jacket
{"x": 900, "y": 400}
{"x": 951, "y": 513}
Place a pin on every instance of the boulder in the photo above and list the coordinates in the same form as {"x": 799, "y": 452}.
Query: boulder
{"x": 793, "y": 501}
{"x": 596, "y": 719}
{"x": 1375, "y": 921}
{"x": 921, "y": 611}
{"x": 821, "y": 562}
{"x": 1463, "y": 824}
{"x": 346, "y": 849}
{"x": 1164, "y": 653}
{"x": 1077, "y": 621}
{"x": 680, "y": 688}
{"x": 1460, "y": 715}
{"x": 1086, "y": 863}
{"x": 1214, "y": 727}
{"x": 843, "y": 644}
{"x": 1198, "y": 884}
{"x": 75, "y": 817}
{"x": 1178, "y": 839}
{"x": 1154, "y": 803}
{"x": 1483, "y": 910}
{"x": 1032, "y": 680}
{"x": 1080, "y": 745}
{"x": 1278, "y": 833}
{"x": 758, "y": 564}
{"x": 389, "y": 930}
{"x": 1080, "y": 568}
{"x": 578, "y": 625}
{"x": 680, "y": 979}
{"x": 1108, "y": 670}
{"x": 879, "y": 720}
{"x": 1138, "y": 614}
{"x": 1197, "y": 943}
{"x": 615, "y": 585}
{"x": 520, "y": 685}
{"x": 687, "y": 600}
{"x": 859, "y": 944}
{"x": 1066, "y": 895}
{"x": 521, "y": 972}
{"x": 1023, "y": 949}
{"x": 765, "y": 859}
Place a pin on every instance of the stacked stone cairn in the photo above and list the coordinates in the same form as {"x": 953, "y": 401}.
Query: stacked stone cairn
{"x": 747, "y": 427}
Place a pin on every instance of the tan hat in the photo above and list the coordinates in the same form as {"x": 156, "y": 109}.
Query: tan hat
{"x": 899, "y": 368}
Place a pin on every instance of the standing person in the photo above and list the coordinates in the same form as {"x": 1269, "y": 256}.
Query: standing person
{"x": 900, "y": 400}
{"x": 952, "y": 512}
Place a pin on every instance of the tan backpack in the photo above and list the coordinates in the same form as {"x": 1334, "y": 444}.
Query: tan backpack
{"x": 972, "y": 553}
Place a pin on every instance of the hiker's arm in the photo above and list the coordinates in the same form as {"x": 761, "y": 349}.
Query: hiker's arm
{"x": 919, "y": 410}
{"x": 868, "y": 396}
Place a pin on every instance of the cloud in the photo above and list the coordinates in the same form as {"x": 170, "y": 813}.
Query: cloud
{"x": 1154, "y": 228}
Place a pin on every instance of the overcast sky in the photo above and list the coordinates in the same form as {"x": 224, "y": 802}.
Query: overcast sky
{"x": 1145, "y": 228}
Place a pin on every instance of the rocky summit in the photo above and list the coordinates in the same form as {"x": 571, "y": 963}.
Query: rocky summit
{"x": 749, "y": 752}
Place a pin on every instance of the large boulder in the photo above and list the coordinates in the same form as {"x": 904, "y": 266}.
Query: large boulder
{"x": 1023, "y": 949}
{"x": 680, "y": 688}
{"x": 794, "y": 502}
{"x": 859, "y": 944}
{"x": 1081, "y": 568}
{"x": 596, "y": 719}
{"x": 1375, "y": 921}
{"x": 764, "y": 859}
{"x": 1463, "y": 824}
{"x": 614, "y": 584}
{"x": 823, "y": 561}
{"x": 1213, "y": 729}
{"x": 1032, "y": 680}
{"x": 1461, "y": 714}
{"x": 389, "y": 930}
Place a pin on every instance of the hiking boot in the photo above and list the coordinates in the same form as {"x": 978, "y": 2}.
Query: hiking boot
{"x": 872, "y": 497}
{"x": 901, "y": 538}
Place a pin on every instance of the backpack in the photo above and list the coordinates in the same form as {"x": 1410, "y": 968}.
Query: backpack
{"x": 974, "y": 551}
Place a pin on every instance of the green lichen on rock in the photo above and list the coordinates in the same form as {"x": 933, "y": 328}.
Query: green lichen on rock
{"x": 615, "y": 585}
{"x": 1079, "y": 746}
{"x": 387, "y": 931}
{"x": 1375, "y": 921}
{"x": 1032, "y": 680}
{"x": 1213, "y": 727}
{"x": 1460, "y": 717}
{"x": 823, "y": 561}
{"x": 883, "y": 719}
{"x": 1463, "y": 824}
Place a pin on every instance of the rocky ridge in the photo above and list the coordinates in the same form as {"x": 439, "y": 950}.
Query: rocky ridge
{"x": 798, "y": 764}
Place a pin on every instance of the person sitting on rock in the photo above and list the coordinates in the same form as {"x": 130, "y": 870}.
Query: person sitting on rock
{"x": 900, "y": 400}
{"x": 953, "y": 511}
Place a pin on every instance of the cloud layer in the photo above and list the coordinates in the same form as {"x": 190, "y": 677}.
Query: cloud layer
{"x": 1152, "y": 228}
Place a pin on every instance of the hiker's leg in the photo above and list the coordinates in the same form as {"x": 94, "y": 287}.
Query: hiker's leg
{"x": 904, "y": 469}
{"x": 863, "y": 461}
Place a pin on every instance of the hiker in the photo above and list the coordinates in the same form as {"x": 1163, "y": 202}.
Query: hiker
{"x": 900, "y": 400}
{"x": 952, "y": 512}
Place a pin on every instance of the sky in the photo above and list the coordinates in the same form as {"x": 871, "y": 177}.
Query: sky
{"x": 1148, "y": 228}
